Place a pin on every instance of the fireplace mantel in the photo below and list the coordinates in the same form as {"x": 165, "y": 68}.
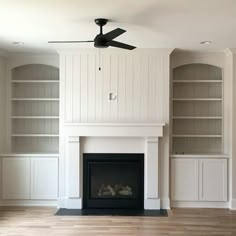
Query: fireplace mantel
{"x": 114, "y": 129}
{"x": 150, "y": 132}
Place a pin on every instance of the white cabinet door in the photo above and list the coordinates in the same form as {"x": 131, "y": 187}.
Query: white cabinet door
{"x": 184, "y": 179}
{"x": 16, "y": 178}
{"x": 213, "y": 180}
{"x": 44, "y": 178}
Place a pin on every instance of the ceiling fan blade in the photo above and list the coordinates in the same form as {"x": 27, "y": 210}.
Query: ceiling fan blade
{"x": 88, "y": 41}
{"x": 113, "y": 34}
{"x": 121, "y": 45}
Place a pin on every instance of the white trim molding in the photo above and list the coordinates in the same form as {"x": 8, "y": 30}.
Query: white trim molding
{"x": 46, "y": 203}
{"x": 114, "y": 129}
{"x": 165, "y": 203}
{"x": 233, "y": 204}
{"x": 199, "y": 204}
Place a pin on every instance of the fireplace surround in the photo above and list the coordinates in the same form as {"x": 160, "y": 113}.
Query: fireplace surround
{"x": 113, "y": 181}
{"x": 81, "y": 138}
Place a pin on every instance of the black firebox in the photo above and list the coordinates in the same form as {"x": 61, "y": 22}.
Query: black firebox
{"x": 113, "y": 181}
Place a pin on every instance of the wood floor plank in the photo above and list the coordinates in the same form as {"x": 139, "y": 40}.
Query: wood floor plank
{"x": 38, "y": 221}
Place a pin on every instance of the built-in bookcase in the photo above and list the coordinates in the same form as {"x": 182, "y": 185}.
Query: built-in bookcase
{"x": 197, "y": 109}
{"x": 35, "y": 109}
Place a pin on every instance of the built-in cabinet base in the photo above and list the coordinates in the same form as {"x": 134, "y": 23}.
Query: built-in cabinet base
{"x": 199, "y": 182}
{"x": 29, "y": 180}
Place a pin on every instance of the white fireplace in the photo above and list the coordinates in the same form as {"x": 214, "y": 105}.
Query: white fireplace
{"x": 113, "y": 138}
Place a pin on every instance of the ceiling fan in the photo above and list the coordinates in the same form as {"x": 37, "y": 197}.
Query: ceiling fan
{"x": 104, "y": 40}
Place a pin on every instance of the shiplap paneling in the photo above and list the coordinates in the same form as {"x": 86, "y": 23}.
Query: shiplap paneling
{"x": 137, "y": 78}
{"x": 114, "y": 85}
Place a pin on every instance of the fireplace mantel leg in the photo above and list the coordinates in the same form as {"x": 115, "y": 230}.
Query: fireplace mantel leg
{"x": 151, "y": 196}
{"x": 73, "y": 193}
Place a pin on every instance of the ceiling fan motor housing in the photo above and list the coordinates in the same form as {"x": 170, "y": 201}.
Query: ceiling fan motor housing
{"x": 100, "y": 42}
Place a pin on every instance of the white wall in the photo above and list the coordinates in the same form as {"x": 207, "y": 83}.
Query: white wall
{"x": 2, "y": 104}
{"x": 139, "y": 77}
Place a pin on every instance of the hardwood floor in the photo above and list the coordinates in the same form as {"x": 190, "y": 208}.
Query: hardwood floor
{"x": 18, "y": 221}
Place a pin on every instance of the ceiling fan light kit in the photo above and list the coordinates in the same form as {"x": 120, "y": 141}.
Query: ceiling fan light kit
{"x": 104, "y": 40}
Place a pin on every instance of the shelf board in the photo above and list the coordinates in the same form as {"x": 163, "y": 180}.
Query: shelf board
{"x": 29, "y": 154}
{"x": 35, "y": 99}
{"x": 197, "y": 117}
{"x": 35, "y": 135}
{"x": 197, "y": 99}
{"x": 35, "y": 117}
{"x": 196, "y": 136}
{"x": 200, "y": 155}
{"x": 197, "y": 81}
{"x": 35, "y": 81}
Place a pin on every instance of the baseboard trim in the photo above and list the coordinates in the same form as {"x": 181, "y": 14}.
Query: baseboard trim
{"x": 199, "y": 204}
{"x": 233, "y": 204}
{"x": 152, "y": 204}
{"x": 165, "y": 203}
{"x": 46, "y": 203}
{"x": 70, "y": 203}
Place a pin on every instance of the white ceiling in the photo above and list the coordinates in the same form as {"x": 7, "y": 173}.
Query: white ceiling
{"x": 149, "y": 23}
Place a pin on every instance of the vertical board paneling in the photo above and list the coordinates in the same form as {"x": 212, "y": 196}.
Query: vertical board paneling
{"x": 129, "y": 87}
{"x": 152, "y": 88}
{"x": 136, "y": 78}
{"x": 106, "y": 72}
{"x": 91, "y": 87}
{"x": 68, "y": 88}
{"x": 76, "y": 88}
{"x": 114, "y": 85}
{"x": 159, "y": 88}
{"x": 137, "y": 89}
{"x": 121, "y": 88}
{"x": 84, "y": 88}
{"x": 144, "y": 87}
{"x": 98, "y": 91}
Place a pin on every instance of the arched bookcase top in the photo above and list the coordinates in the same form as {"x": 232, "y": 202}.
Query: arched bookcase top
{"x": 35, "y": 72}
{"x": 197, "y": 71}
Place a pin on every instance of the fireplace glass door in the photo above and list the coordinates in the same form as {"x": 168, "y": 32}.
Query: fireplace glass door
{"x": 113, "y": 181}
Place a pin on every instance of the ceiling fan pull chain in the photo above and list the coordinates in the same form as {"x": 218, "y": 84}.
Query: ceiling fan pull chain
{"x": 99, "y": 59}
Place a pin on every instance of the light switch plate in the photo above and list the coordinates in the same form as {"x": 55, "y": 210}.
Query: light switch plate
{"x": 112, "y": 96}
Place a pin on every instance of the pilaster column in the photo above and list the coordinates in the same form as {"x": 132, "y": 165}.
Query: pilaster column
{"x": 73, "y": 174}
{"x": 151, "y": 188}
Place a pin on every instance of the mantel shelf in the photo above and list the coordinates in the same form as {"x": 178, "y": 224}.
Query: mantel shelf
{"x": 114, "y": 129}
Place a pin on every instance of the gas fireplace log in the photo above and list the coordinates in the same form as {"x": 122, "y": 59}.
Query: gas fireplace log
{"x": 119, "y": 189}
